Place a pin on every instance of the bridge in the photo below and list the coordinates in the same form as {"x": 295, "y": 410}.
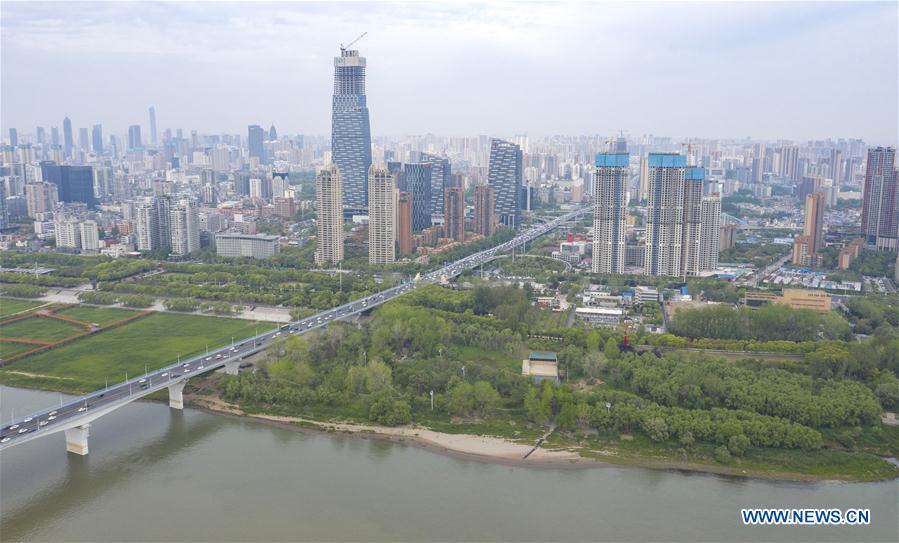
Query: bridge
{"x": 75, "y": 417}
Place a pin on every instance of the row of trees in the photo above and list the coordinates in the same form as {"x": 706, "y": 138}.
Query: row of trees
{"x": 611, "y": 410}
{"x": 770, "y": 323}
{"x": 138, "y": 301}
{"x": 695, "y": 383}
{"x": 22, "y": 291}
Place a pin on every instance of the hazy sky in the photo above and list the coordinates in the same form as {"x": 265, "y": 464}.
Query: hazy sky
{"x": 764, "y": 70}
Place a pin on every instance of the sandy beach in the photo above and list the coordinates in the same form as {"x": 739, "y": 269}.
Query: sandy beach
{"x": 485, "y": 448}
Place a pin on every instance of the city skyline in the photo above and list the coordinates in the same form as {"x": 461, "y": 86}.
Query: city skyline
{"x": 746, "y": 86}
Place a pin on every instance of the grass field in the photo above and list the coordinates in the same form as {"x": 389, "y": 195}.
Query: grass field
{"x": 11, "y": 306}
{"x": 96, "y": 315}
{"x": 8, "y": 349}
{"x": 40, "y": 329}
{"x": 154, "y": 341}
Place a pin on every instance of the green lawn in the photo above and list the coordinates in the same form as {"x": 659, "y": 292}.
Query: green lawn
{"x": 96, "y": 315}
{"x": 40, "y": 329}
{"x": 11, "y": 306}
{"x": 154, "y": 341}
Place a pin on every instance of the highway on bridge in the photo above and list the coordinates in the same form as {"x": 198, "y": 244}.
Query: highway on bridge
{"x": 75, "y": 415}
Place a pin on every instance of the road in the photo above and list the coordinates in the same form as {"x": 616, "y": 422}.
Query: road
{"x": 85, "y": 408}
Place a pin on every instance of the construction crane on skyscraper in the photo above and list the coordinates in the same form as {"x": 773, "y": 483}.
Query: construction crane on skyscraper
{"x": 347, "y": 46}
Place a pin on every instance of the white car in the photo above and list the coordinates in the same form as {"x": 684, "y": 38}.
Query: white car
{"x": 165, "y": 374}
{"x": 4, "y": 440}
{"x": 208, "y": 358}
{"x": 51, "y": 417}
{"x": 26, "y": 419}
{"x": 43, "y": 423}
{"x": 200, "y": 367}
{"x": 82, "y": 409}
{"x": 142, "y": 381}
{"x": 14, "y": 426}
{"x": 23, "y": 430}
{"x": 52, "y": 413}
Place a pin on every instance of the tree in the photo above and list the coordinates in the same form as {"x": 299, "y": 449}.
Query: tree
{"x": 611, "y": 349}
{"x": 460, "y": 400}
{"x": 378, "y": 376}
{"x": 485, "y": 397}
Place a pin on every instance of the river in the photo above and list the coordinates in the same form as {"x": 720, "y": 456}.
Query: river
{"x": 157, "y": 474}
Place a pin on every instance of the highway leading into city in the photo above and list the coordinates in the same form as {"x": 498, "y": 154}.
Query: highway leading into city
{"x": 83, "y": 410}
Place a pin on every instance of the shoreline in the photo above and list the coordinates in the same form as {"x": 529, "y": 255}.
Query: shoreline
{"x": 492, "y": 450}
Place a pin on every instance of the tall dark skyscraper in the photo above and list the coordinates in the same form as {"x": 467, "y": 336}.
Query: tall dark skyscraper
{"x": 134, "y": 137}
{"x": 54, "y": 136}
{"x": 441, "y": 178}
{"x": 350, "y": 131}
{"x": 152, "y": 125}
{"x": 418, "y": 183}
{"x": 97, "y": 139}
{"x": 41, "y": 135}
{"x": 74, "y": 183}
{"x": 504, "y": 176}
{"x": 454, "y": 213}
{"x": 880, "y": 202}
{"x": 13, "y": 137}
{"x": 255, "y": 137}
{"x": 67, "y": 136}
{"x": 272, "y": 134}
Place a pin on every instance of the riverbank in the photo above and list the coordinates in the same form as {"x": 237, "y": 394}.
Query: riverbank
{"x": 489, "y": 449}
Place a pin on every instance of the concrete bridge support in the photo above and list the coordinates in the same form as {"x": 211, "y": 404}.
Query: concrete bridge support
{"x": 232, "y": 366}
{"x": 176, "y": 400}
{"x": 76, "y": 439}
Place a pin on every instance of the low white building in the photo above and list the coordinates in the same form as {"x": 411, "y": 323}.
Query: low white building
{"x": 599, "y": 316}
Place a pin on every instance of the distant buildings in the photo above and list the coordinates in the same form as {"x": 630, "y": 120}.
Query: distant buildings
{"x": 849, "y": 253}
{"x": 69, "y": 142}
{"x": 350, "y": 131}
{"x": 90, "y": 236}
{"x": 484, "y": 213}
{"x": 404, "y": 223}
{"x": 664, "y": 214}
{"x": 185, "y": 227}
{"x": 74, "y": 183}
{"x": 806, "y": 248}
{"x": 504, "y": 175}
{"x": 152, "y": 125}
{"x": 441, "y": 178}
{"x": 381, "y": 216}
{"x": 134, "y": 139}
{"x": 609, "y": 212}
{"x": 681, "y": 226}
{"x": 40, "y": 197}
{"x": 454, "y": 213}
{"x": 710, "y": 230}
{"x": 152, "y": 227}
{"x": 418, "y": 184}
{"x": 328, "y": 193}
{"x": 880, "y": 223}
{"x": 259, "y": 246}
{"x": 255, "y": 139}
{"x": 727, "y": 237}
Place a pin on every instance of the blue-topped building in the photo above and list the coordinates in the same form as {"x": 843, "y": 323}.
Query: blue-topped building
{"x": 609, "y": 212}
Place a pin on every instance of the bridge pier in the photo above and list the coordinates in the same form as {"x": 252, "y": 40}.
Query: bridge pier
{"x": 76, "y": 439}
{"x": 232, "y": 366}
{"x": 176, "y": 400}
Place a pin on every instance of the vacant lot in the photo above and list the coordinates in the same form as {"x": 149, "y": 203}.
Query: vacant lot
{"x": 8, "y": 349}
{"x": 103, "y": 316}
{"x": 10, "y": 306}
{"x": 40, "y": 329}
{"x": 151, "y": 342}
